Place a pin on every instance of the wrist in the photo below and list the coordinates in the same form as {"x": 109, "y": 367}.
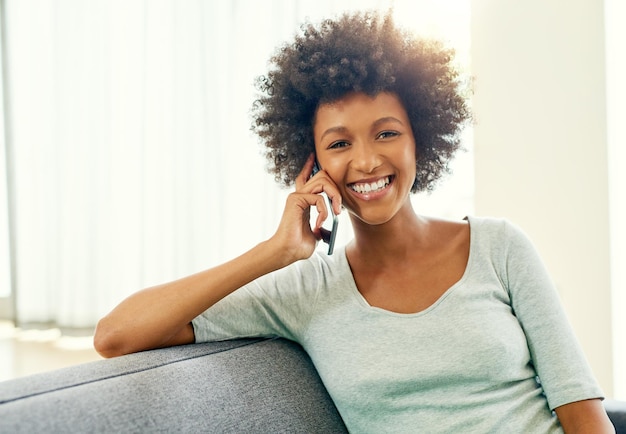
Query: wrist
{"x": 275, "y": 255}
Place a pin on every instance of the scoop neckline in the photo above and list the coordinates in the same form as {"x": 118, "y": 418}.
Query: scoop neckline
{"x": 360, "y": 299}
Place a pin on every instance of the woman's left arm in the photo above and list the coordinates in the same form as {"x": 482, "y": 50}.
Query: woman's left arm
{"x": 588, "y": 417}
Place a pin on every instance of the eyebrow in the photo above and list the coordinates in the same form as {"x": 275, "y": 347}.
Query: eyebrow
{"x": 342, "y": 129}
{"x": 338, "y": 129}
{"x": 387, "y": 119}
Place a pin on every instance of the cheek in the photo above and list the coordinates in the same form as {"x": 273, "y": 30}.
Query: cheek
{"x": 336, "y": 171}
{"x": 334, "y": 167}
{"x": 411, "y": 160}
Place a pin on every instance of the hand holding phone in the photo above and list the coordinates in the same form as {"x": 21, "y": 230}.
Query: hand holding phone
{"x": 328, "y": 236}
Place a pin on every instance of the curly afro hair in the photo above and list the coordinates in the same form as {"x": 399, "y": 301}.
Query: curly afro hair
{"x": 366, "y": 53}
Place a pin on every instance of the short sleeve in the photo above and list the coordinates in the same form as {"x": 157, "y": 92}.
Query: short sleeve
{"x": 277, "y": 304}
{"x": 560, "y": 363}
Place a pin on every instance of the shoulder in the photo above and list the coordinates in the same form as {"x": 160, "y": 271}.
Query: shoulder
{"x": 312, "y": 272}
{"x": 493, "y": 229}
{"x": 443, "y": 229}
{"x": 505, "y": 244}
{"x": 488, "y": 224}
{"x": 500, "y": 241}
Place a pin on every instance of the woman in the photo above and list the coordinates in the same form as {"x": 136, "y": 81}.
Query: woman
{"x": 418, "y": 324}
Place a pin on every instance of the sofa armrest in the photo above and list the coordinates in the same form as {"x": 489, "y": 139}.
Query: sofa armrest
{"x": 617, "y": 413}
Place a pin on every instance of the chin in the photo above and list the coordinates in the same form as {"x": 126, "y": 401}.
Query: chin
{"x": 372, "y": 219}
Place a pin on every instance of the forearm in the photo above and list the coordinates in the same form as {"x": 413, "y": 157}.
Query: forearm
{"x": 158, "y": 316}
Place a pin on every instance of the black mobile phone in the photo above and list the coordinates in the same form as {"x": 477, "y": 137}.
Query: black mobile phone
{"x": 328, "y": 236}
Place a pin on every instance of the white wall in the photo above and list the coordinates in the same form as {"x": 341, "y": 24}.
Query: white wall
{"x": 615, "y": 16}
{"x": 541, "y": 147}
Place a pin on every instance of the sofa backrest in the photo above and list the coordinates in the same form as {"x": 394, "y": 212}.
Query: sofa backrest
{"x": 247, "y": 385}
{"x": 251, "y": 386}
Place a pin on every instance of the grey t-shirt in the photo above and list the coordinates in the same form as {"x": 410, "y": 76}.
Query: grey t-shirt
{"x": 495, "y": 353}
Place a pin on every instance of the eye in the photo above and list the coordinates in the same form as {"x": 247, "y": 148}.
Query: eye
{"x": 338, "y": 144}
{"x": 387, "y": 134}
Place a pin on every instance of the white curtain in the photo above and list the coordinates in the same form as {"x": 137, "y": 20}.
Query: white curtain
{"x": 131, "y": 158}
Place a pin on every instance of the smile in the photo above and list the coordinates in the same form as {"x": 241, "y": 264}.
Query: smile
{"x": 370, "y": 187}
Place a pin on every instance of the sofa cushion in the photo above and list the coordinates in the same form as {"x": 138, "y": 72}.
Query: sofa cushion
{"x": 234, "y": 386}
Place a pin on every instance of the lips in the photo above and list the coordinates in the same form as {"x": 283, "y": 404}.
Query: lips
{"x": 371, "y": 187}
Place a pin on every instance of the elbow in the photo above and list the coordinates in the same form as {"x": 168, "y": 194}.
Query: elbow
{"x": 114, "y": 339}
{"x": 108, "y": 340}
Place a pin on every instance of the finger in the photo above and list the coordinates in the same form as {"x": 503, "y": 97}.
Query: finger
{"x": 322, "y": 183}
{"x": 322, "y": 211}
{"x": 335, "y": 201}
{"x": 328, "y": 187}
{"x": 305, "y": 201}
{"x": 305, "y": 173}
{"x": 321, "y": 216}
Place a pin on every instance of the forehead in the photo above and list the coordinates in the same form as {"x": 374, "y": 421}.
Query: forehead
{"x": 358, "y": 109}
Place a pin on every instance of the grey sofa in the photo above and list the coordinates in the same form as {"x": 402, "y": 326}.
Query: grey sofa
{"x": 239, "y": 386}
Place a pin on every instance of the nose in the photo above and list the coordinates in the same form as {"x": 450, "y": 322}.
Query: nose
{"x": 365, "y": 159}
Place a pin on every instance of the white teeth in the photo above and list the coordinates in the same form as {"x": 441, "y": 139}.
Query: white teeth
{"x": 371, "y": 187}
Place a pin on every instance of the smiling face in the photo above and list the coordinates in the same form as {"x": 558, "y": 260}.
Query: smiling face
{"x": 366, "y": 146}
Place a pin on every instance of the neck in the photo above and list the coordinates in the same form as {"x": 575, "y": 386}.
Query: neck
{"x": 389, "y": 242}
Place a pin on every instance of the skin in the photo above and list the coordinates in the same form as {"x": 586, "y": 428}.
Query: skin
{"x": 401, "y": 261}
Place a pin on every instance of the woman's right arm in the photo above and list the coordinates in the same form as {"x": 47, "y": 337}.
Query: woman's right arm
{"x": 161, "y": 316}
